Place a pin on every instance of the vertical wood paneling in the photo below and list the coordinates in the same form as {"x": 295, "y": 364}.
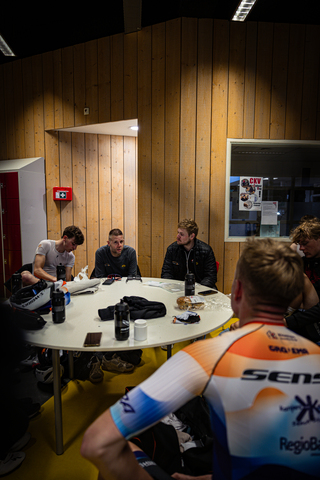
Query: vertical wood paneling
{"x": 92, "y": 193}
{"x": 117, "y": 182}
{"x": 279, "y": 81}
{"x": 79, "y": 84}
{"x": 218, "y": 140}
{"x": 104, "y": 79}
{"x": 263, "y": 81}
{"x": 48, "y": 96}
{"x": 172, "y": 131}
{"x": 68, "y": 90}
{"x": 144, "y": 155}
{"x": 117, "y": 80}
{"x": 202, "y": 159}
{"x": 236, "y": 79}
{"x": 92, "y": 99}
{"x": 158, "y": 158}
{"x": 188, "y": 118}
{"x": 130, "y": 92}
{"x": 52, "y": 180}
{"x": 295, "y": 80}
{"x": 65, "y": 156}
{"x": 57, "y": 88}
{"x": 129, "y": 190}
{"x": 105, "y": 185}
{"x": 79, "y": 196}
{"x": 190, "y": 84}
{"x": 38, "y": 108}
{"x": 310, "y": 94}
{"x": 18, "y": 114}
{"x": 250, "y": 80}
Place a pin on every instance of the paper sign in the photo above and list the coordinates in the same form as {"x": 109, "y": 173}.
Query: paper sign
{"x": 269, "y": 213}
{"x": 250, "y": 193}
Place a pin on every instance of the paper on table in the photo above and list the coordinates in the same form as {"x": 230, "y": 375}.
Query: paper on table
{"x": 170, "y": 287}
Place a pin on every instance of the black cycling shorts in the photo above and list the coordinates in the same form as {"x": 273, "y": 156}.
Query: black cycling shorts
{"x": 149, "y": 466}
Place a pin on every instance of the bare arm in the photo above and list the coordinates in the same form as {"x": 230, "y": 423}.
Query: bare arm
{"x": 308, "y": 298}
{"x": 38, "y": 269}
{"x": 109, "y": 451}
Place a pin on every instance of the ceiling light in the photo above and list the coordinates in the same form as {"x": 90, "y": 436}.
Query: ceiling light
{"x": 134, "y": 127}
{"x": 243, "y": 9}
{"x": 5, "y": 49}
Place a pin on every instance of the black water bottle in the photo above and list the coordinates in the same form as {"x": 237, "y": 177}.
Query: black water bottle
{"x": 189, "y": 284}
{"x": 122, "y": 320}
{"x": 58, "y": 306}
{"x": 16, "y": 282}
{"x": 61, "y": 272}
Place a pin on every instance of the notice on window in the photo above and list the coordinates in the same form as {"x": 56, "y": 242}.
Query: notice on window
{"x": 269, "y": 213}
{"x": 250, "y": 193}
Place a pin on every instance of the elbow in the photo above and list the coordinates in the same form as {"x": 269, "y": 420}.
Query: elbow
{"x": 88, "y": 448}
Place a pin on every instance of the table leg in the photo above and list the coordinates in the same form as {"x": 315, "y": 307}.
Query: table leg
{"x": 57, "y": 401}
{"x": 71, "y": 369}
{"x": 169, "y": 351}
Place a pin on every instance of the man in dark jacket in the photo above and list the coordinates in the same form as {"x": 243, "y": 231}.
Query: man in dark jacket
{"x": 307, "y": 322}
{"x": 190, "y": 255}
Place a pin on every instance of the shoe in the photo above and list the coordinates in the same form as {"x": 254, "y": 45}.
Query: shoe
{"x": 11, "y": 462}
{"x": 30, "y": 360}
{"x": 116, "y": 364}
{"x": 22, "y": 442}
{"x": 96, "y": 374}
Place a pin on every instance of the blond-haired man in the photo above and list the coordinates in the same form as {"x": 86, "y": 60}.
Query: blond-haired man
{"x": 262, "y": 383}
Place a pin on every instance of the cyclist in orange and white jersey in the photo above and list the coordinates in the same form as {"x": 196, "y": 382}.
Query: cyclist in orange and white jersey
{"x": 262, "y": 384}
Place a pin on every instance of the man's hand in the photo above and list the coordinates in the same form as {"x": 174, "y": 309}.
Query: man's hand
{"x": 235, "y": 325}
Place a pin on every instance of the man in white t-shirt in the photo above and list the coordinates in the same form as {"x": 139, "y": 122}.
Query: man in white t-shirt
{"x": 52, "y": 253}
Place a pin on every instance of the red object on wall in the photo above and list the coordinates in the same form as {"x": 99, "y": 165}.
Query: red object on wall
{"x": 62, "y": 193}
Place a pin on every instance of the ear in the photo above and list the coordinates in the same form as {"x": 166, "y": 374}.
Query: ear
{"x": 236, "y": 295}
{"x": 192, "y": 236}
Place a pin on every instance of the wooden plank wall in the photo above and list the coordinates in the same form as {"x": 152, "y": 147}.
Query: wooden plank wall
{"x": 191, "y": 84}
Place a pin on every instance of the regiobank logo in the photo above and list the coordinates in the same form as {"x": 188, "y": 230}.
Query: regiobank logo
{"x": 304, "y": 410}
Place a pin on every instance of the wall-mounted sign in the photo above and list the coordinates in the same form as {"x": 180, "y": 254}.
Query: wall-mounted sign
{"x": 250, "y": 193}
{"x": 62, "y": 193}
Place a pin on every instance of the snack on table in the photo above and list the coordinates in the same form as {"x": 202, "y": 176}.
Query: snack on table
{"x": 192, "y": 302}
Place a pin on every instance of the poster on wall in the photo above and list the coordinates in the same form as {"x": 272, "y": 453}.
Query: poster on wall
{"x": 250, "y": 193}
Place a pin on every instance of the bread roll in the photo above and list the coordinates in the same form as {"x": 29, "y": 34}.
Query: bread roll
{"x": 190, "y": 303}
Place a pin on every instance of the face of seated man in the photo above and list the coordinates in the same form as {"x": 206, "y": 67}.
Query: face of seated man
{"x": 69, "y": 244}
{"x": 183, "y": 238}
{"x": 116, "y": 244}
{"x": 310, "y": 247}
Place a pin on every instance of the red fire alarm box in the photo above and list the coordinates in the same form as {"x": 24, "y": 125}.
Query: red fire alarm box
{"x": 62, "y": 193}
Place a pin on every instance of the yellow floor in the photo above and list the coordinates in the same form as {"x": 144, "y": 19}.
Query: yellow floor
{"x": 82, "y": 403}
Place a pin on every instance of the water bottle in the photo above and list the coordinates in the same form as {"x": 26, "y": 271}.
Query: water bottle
{"x": 189, "y": 284}
{"x": 16, "y": 282}
{"x": 58, "y": 306}
{"x": 61, "y": 272}
{"x": 122, "y": 320}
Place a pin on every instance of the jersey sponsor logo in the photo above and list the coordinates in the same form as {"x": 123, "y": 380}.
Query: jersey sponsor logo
{"x": 305, "y": 411}
{"x": 311, "y": 445}
{"x": 280, "y": 377}
{"x": 294, "y": 351}
{"x": 127, "y": 408}
{"x": 280, "y": 336}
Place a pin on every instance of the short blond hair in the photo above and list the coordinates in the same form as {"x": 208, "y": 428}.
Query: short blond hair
{"x": 271, "y": 272}
{"x": 190, "y": 225}
{"x": 306, "y": 231}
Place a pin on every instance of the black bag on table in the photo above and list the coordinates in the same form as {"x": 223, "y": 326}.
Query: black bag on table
{"x": 139, "y": 307}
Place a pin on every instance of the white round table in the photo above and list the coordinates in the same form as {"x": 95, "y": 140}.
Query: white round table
{"x": 82, "y": 317}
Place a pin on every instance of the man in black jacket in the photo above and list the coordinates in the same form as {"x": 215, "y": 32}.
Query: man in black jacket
{"x": 188, "y": 254}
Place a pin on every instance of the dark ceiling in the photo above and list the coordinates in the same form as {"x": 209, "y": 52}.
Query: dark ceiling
{"x": 29, "y": 31}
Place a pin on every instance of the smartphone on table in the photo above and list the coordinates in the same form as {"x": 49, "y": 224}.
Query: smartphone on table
{"x": 93, "y": 339}
{"x": 207, "y": 292}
